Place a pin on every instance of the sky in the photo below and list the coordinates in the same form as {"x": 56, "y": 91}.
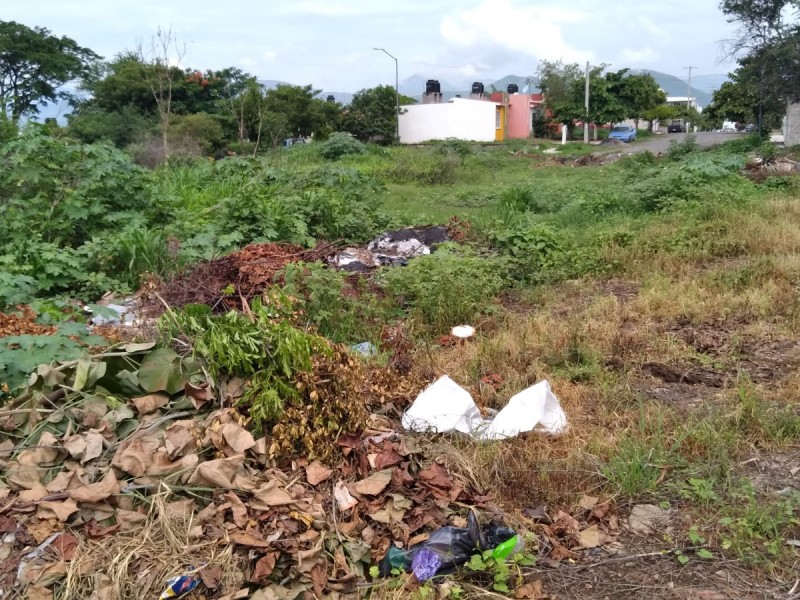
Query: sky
{"x": 329, "y": 43}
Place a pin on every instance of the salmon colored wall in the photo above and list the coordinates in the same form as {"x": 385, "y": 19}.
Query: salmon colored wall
{"x": 519, "y": 114}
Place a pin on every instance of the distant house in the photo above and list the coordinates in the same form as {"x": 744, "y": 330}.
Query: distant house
{"x": 683, "y": 102}
{"x": 479, "y": 118}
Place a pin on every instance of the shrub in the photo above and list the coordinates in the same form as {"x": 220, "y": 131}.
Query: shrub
{"x": 341, "y": 144}
{"x": 428, "y": 168}
{"x": 447, "y": 288}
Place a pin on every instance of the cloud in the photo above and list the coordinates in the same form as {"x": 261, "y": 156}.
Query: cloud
{"x": 350, "y": 8}
{"x": 638, "y": 56}
{"x": 498, "y": 30}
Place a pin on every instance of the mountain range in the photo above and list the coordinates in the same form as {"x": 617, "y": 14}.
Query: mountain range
{"x": 703, "y": 86}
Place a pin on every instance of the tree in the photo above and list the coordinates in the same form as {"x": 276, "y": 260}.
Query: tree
{"x": 768, "y": 47}
{"x": 298, "y": 105}
{"x": 661, "y": 113}
{"x": 372, "y": 115}
{"x": 161, "y": 59}
{"x": 34, "y": 64}
{"x": 637, "y": 94}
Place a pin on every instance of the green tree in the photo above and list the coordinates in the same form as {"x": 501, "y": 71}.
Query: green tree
{"x": 661, "y": 113}
{"x": 34, "y": 64}
{"x": 372, "y": 114}
{"x": 558, "y": 82}
{"x": 637, "y": 94}
{"x": 298, "y": 105}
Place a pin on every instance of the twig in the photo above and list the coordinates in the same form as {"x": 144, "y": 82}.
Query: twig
{"x": 794, "y": 588}
{"x": 333, "y": 511}
{"x": 628, "y": 557}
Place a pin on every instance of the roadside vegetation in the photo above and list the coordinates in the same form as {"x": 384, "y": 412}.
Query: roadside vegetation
{"x": 657, "y": 294}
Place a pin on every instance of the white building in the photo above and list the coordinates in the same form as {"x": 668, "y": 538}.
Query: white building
{"x": 683, "y": 101}
{"x": 461, "y": 118}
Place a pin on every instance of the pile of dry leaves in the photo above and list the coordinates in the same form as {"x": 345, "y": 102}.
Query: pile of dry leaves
{"x": 222, "y": 282}
{"x": 22, "y": 322}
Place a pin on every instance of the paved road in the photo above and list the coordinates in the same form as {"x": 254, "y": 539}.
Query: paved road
{"x": 660, "y": 143}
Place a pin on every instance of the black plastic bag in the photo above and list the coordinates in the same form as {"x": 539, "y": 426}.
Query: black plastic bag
{"x": 445, "y": 549}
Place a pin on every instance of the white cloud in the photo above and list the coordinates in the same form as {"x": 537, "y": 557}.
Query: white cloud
{"x": 499, "y": 29}
{"x": 638, "y": 56}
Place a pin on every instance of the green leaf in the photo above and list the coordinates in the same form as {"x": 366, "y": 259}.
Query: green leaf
{"x": 683, "y": 559}
{"x": 82, "y": 374}
{"x": 374, "y": 571}
{"x": 703, "y": 553}
{"x": 159, "y": 373}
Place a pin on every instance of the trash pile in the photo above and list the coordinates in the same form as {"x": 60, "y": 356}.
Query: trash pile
{"x": 223, "y": 282}
{"x": 98, "y": 443}
{"x": 391, "y": 248}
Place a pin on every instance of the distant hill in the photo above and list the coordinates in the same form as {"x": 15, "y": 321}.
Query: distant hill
{"x": 709, "y": 83}
{"x": 674, "y": 86}
{"x": 501, "y": 85}
{"x": 415, "y": 85}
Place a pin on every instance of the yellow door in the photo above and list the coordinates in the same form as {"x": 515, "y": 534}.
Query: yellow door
{"x": 500, "y": 124}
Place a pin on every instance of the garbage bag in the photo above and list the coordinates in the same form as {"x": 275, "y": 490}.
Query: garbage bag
{"x": 447, "y": 548}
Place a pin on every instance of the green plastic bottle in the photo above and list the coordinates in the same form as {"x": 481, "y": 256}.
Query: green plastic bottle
{"x": 507, "y": 548}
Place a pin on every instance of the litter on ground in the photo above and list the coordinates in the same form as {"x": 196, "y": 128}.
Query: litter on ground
{"x": 446, "y": 406}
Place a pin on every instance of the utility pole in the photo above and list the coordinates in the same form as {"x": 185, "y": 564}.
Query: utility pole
{"x": 586, "y": 119}
{"x": 689, "y": 94}
{"x": 396, "y": 95}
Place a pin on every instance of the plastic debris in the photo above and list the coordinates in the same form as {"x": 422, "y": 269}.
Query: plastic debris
{"x": 179, "y": 586}
{"x": 463, "y": 331}
{"x": 425, "y": 564}
{"x": 118, "y": 314}
{"x": 446, "y": 406}
{"x": 365, "y": 349}
{"x": 450, "y": 547}
{"x": 391, "y": 248}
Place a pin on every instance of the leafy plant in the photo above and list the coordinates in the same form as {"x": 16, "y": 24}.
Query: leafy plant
{"x": 341, "y": 144}
{"x": 447, "y": 288}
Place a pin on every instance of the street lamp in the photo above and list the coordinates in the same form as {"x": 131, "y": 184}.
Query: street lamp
{"x": 396, "y": 94}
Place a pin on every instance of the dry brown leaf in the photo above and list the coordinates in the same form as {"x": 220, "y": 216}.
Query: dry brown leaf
{"x": 129, "y": 520}
{"x": 590, "y": 537}
{"x": 136, "y": 457}
{"x": 198, "y": 394}
{"x": 57, "y": 510}
{"x": 96, "y": 492}
{"x": 530, "y": 591}
{"x": 316, "y": 473}
{"x": 25, "y": 472}
{"x": 211, "y": 576}
{"x": 217, "y": 473}
{"x": 46, "y": 575}
{"x": 61, "y": 482}
{"x": 588, "y": 502}
{"x": 374, "y": 484}
{"x": 65, "y": 545}
{"x": 150, "y": 403}
{"x": 6, "y": 448}
{"x": 94, "y": 530}
{"x": 270, "y": 495}
{"x": 238, "y": 509}
{"x": 247, "y": 539}
{"x": 263, "y": 567}
{"x": 437, "y": 476}
{"x": 237, "y": 437}
{"x": 84, "y": 447}
{"x": 162, "y": 465}
{"x": 178, "y": 440}
{"x": 46, "y": 451}
{"x": 36, "y": 493}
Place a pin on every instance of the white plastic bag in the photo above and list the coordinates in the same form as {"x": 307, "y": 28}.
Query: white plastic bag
{"x": 446, "y": 406}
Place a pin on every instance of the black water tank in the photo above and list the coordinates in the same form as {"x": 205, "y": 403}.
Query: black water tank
{"x": 331, "y": 98}
{"x": 438, "y": 89}
{"x": 513, "y": 88}
{"x": 477, "y": 88}
{"x": 430, "y": 86}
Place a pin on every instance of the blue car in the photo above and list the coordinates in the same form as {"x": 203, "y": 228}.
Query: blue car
{"x": 624, "y": 133}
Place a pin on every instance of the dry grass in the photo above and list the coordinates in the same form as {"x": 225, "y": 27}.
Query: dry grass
{"x": 137, "y": 563}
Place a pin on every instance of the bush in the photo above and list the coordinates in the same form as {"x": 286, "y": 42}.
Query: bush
{"x": 341, "y": 144}
{"x": 534, "y": 250}
{"x": 450, "y": 287}
{"x": 429, "y": 168}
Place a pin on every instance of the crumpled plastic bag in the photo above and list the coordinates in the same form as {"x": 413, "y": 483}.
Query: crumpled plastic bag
{"x": 446, "y": 406}
{"x": 446, "y": 548}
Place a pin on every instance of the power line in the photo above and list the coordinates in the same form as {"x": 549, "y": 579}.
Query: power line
{"x": 689, "y": 94}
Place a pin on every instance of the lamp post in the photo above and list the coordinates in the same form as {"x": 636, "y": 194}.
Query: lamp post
{"x": 396, "y": 95}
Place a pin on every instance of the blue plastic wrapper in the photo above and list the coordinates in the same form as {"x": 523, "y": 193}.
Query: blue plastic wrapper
{"x": 178, "y": 586}
{"x": 425, "y": 564}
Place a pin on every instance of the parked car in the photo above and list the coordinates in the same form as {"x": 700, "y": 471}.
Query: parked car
{"x": 676, "y": 127}
{"x": 750, "y": 128}
{"x": 624, "y": 133}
